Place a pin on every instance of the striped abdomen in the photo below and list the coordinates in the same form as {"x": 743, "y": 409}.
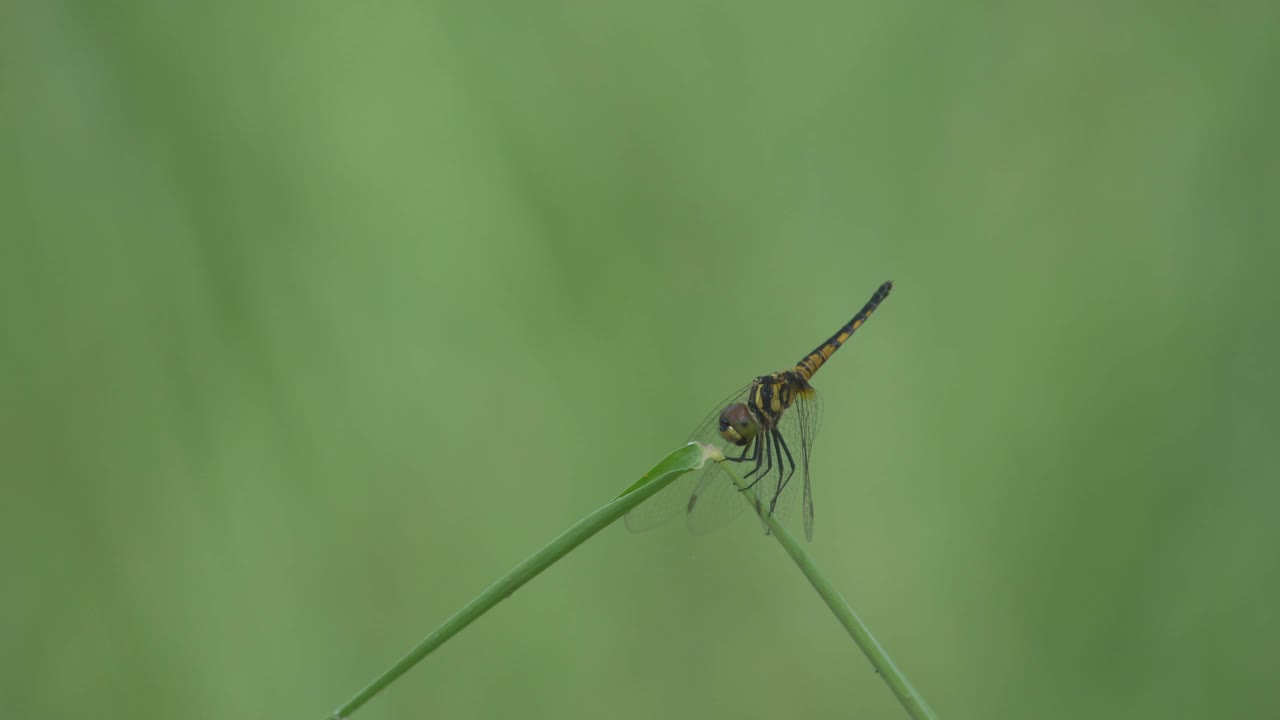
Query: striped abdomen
{"x": 814, "y": 360}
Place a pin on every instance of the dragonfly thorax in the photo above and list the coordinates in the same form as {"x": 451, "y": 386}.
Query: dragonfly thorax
{"x": 766, "y": 401}
{"x": 772, "y": 394}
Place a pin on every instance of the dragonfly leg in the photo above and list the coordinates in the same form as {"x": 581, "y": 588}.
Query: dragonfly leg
{"x": 753, "y": 448}
{"x": 779, "y": 442}
{"x": 767, "y": 453}
{"x": 755, "y": 457}
{"x": 777, "y": 449}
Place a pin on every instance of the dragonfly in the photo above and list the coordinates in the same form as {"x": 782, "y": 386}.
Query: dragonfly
{"x": 766, "y": 430}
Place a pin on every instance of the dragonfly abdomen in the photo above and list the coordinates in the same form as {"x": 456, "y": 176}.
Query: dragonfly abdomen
{"x": 807, "y": 367}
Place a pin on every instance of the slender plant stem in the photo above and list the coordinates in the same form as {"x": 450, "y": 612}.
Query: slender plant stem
{"x": 911, "y": 699}
{"x": 689, "y": 457}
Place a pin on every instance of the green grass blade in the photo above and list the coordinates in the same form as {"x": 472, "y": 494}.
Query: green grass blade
{"x": 690, "y": 457}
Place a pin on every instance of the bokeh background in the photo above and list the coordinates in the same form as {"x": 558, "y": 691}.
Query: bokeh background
{"x": 318, "y": 317}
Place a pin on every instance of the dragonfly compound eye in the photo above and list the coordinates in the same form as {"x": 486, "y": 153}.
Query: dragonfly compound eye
{"x": 737, "y": 425}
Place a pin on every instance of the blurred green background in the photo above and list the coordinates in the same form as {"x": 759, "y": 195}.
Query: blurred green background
{"x": 318, "y": 317}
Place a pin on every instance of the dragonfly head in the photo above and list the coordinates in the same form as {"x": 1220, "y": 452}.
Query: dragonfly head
{"x": 737, "y": 425}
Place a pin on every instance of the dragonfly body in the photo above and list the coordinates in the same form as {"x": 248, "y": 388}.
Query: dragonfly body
{"x": 773, "y": 421}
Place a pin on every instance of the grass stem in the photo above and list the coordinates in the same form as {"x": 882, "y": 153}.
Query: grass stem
{"x": 884, "y": 666}
{"x": 689, "y": 457}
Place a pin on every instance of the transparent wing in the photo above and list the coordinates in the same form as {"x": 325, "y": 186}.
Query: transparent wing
{"x": 809, "y": 418}
{"x": 798, "y": 427}
{"x": 716, "y": 501}
{"x": 674, "y": 500}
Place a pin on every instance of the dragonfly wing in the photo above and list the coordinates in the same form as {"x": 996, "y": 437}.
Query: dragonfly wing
{"x": 809, "y": 419}
{"x": 668, "y": 503}
{"x": 799, "y": 427}
{"x": 674, "y": 500}
{"x": 715, "y": 501}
